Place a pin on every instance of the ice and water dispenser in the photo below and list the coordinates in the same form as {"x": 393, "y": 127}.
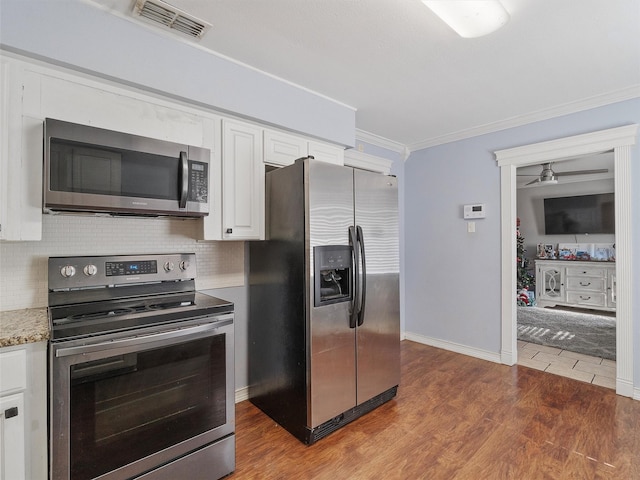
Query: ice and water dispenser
{"x": 333, "y": 272}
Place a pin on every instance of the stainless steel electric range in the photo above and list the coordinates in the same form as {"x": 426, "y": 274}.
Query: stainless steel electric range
{"x": 141, "y": 370}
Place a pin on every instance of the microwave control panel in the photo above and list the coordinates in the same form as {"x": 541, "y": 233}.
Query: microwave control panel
{"x": 198, "y": 181}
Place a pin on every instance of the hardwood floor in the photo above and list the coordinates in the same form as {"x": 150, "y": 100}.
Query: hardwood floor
{"x": 458, "y": 417}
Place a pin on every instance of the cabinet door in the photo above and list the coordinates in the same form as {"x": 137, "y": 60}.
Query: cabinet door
{"x": 20, "y": 158}
{"x": 282, "y": 149}
{"x": 326, "y": 153}
{"x": 612, "y": 297}
{"x": 549, "y": 284}
{"x": 242, "y": 182}
{"x": 12, "y": 448}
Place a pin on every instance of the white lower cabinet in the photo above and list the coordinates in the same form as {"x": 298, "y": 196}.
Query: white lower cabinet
{"x": 23, "y": 415}
{"x": 612, "y": 288}
{"x": 549, "y": 283}
{"x": 576, "y": 284}
{"x": 242, "y": 182}
{"x": 13, "y": 460}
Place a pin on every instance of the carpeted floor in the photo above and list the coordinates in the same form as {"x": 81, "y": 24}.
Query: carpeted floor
{"x": 588, "y": 333}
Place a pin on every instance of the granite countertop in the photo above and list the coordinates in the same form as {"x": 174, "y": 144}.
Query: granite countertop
{"x": 18, "y": 327}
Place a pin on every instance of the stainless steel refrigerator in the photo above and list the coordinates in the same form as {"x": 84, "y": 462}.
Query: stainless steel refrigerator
{"x": 324, "y": 328}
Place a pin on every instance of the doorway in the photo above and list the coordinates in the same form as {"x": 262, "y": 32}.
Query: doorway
{"x": 566, "y": 306}
{"x": 619, "y": 140}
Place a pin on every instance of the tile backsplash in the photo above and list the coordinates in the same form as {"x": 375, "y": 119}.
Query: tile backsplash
{"x": 23, "y": 265}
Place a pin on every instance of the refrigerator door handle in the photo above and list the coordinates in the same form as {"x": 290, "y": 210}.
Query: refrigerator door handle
{"x": 363, "y": 284}
{"x": 353, "y": 311}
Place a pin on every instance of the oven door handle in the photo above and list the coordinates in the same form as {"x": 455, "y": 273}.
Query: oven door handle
{"x": 167, "y": 336}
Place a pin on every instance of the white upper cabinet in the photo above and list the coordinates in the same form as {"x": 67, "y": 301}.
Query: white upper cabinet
{"x": 326, "y": 153}
{"x": 31, "y": 92}
{"x": 282, "y": 149}
{"x": 242, "y": 181}
{"x": 20, "y": 158}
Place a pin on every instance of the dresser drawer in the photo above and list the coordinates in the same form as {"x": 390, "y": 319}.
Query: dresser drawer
{"x": 586, "y": 284}
{"x": 577, "y": 271}
{"x": 586, "y": 299}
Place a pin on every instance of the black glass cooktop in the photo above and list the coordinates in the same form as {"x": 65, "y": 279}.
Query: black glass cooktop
{"x": 115, "y": 315}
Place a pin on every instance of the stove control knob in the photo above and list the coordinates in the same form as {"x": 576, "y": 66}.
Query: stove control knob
{"x": 168, "y": 266}
{"x": 90, "y": 270}
{"x": 184, "y": 265}
{"x": 68, "y": 271}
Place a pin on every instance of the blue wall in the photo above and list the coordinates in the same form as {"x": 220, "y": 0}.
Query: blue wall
{"x": 81, "y": 36}
{"x": 452, "y": 278}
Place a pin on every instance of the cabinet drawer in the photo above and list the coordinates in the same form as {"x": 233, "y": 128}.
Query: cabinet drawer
{"x": 586, "y": 271}
{"x": 586, "y": 284}
{"x": 587, "y": 299}
{"x": 13, "y": 370}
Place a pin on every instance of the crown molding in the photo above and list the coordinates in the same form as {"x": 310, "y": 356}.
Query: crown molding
{"x": 566, "y": 109}
{"x": 381, "y": 142}
{"x": 354, "y": 158}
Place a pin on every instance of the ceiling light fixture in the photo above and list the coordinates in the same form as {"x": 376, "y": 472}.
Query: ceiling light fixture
{"x": 470, "y": 18}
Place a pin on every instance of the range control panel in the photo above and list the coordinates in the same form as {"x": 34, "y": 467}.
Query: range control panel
{"x": 98, "y": 271}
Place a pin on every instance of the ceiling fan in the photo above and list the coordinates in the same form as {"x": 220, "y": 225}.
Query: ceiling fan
{"x": 548, "y": 176}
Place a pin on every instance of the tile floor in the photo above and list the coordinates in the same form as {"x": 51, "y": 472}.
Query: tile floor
{"x": 585, "y": 368}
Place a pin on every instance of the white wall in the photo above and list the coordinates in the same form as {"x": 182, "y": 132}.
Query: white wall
{"x": 452, "y": 277}
{"x": 531, "y": 213}
{"x": 23, "y": 272}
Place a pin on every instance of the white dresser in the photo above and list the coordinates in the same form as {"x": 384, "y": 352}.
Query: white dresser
{"x": 576, "y": 284}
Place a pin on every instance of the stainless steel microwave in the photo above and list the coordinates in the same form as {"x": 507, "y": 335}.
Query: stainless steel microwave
{"x": 89, "y": 169}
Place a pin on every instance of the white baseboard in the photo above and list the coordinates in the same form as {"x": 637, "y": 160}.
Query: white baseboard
{"x": 454, "y": 347}
{"x": 242, "y": 394}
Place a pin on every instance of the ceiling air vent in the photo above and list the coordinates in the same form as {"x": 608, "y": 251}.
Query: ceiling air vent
{"x": 157, "y": 11}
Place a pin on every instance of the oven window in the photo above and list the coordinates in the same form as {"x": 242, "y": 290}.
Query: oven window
{"x": 126, "y": 407}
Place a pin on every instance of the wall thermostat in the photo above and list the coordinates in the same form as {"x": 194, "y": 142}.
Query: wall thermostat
{"x": 474, "y": 211}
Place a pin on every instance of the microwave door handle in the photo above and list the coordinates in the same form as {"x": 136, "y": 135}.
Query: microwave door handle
{"x": 184, "y": 179}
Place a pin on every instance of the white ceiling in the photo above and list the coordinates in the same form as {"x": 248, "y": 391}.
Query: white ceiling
{"x": 413, "y": 80}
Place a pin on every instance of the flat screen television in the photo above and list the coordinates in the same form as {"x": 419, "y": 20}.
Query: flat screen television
{"x": 580, "y": 214}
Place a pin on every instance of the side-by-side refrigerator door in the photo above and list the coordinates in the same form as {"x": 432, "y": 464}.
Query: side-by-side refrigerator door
{"x": 378, "y": 331}
{"x": 331, "y": 340}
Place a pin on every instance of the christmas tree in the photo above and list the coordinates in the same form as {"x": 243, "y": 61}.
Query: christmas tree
{"x": 526, "y": 281}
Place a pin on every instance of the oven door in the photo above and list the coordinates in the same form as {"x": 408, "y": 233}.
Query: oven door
{"x": 122, "y": 407}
